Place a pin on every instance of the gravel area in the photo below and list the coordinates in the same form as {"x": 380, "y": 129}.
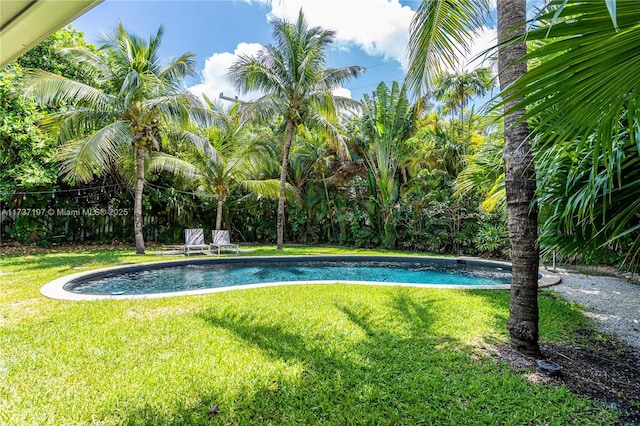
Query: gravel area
{"x": 613, "y": 302}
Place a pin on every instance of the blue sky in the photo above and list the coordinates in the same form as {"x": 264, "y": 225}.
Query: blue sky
{"x": 370, "y": 33}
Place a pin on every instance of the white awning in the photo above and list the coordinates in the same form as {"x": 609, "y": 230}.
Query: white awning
{"x": 25, "y": 23}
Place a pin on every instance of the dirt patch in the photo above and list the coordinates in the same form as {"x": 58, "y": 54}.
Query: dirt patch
{"x": 602, "y": 369}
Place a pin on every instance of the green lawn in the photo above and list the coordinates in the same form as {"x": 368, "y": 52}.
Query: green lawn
{"x": 323, "y": 354}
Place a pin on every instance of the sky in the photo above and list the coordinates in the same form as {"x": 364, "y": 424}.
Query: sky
{"x": 370, "y": 33}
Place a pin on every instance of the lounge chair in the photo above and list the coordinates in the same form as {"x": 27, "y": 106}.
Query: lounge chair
{"x": 194, "y": 241}
{"x": 221, "y": 239}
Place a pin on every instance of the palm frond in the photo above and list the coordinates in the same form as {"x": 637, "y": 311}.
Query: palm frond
{"x": 159, "y": 161}
{"x": 250, "y": 73}
{"x": 179, "y": 68}
{"x": 586, "y": 77}
{"x": 84, "y": 158}
{"x": 263, "y": 109}
{"x": 583, "y": 209}
{"x": 333, "y": 78}
{"x": 51, "y": 89}
{"x": 95, "y": 61}
{"x": 205, "y": 149}
{"x": 440, "y": 33}
{"x": 76, "y": 123}
{"x": 269, "y": 188}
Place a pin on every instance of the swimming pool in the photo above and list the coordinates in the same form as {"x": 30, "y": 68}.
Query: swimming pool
{"x": 199, "y": 276}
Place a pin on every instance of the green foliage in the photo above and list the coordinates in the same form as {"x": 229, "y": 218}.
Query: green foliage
{"x": 47, "y": 56}
{"x": 254, "y": 218}
{"x": 588, "y": 213}
{"x": 387, "y": 121}
{"x": 493, "y": 240}
{"x": 483, "y": 175}
{"x": 26, "y": 153}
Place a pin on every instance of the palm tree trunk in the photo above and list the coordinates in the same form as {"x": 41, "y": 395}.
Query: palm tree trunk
{"x": 137, "y": 201}
{"x": 520, "y": 183}
{"x": 288, "y": 137}
{"x": 219, "y": 214}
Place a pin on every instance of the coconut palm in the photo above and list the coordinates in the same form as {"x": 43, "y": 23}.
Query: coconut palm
{"x": 127, "y": 114}
{"x": 229, "y": 155}
{"x": 440, "y": 32}
{"x": 296, "y": 86}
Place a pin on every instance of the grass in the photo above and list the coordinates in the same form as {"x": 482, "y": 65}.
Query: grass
{"x": 308, "y": 354}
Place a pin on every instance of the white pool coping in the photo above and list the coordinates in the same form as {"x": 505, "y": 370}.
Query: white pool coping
{"x": 55, "y": 289}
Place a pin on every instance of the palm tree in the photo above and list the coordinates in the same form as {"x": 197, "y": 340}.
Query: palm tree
{"x": 229, "y": 155}
{"x": 296, "y": 85}
{"x": 130, "y": 118}
{"x": 440, "y": 31}
{"x": 586, "y": 101}
{"x": 520, "y": 186}
{"x": 455, "y": 89}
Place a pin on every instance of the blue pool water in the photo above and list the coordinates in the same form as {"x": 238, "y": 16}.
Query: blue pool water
{"x": 206, "y": 276}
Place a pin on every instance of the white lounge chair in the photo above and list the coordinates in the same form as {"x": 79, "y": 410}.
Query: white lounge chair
{"x": 194, "y": 242}
{"x": 221, "y": 239}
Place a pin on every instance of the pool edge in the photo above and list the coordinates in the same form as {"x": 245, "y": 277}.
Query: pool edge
{"x": 55, "y": 288}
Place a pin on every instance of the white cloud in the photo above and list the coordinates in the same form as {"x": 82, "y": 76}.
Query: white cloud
{"x": 214, "y": 78}
{"x": 379, "y": 27}
{"x": 215, "y": 81}
{"x": 342, "y": 91}
{"x": 479, "y": 54}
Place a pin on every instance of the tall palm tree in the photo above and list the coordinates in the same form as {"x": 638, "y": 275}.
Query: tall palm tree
{"x": 440, "y": 31}
{"x": 128, "y": 113}
{"x": 296, "y": 85}
{"x": 520, "y": 185}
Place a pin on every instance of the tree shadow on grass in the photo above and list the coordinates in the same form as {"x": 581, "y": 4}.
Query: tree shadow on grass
{"x": 381, "y": 364}
{"x": 364, "y": 381}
